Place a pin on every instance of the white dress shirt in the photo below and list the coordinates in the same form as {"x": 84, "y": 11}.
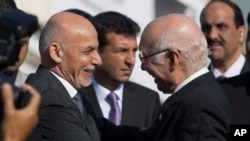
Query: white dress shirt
{"x": 102, "y": 93}
{"x": 190, "y": 78}
{"x": 70, "y": 89}
{"x": 234, "y": 70}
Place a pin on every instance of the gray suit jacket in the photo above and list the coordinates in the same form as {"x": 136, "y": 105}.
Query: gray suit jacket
{"x": 139, "y": 108}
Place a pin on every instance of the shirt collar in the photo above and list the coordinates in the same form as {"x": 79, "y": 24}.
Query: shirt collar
{"x": 233, "y": 70}
{"x": 190, "y": 78}
{"x": 102, "y": 92}
{"x": 70, "y": 89}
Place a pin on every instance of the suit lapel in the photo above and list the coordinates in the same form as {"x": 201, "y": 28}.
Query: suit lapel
{"x": 165, "y": 113}
{"x": 170, "y": 105}
{"x": 90, "y": 94}
{"x": 246, "y": 66}
{"x": 88, "y": 118}
{"x": 128, "y": 103}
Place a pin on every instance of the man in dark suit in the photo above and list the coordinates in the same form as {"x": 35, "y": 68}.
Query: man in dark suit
{"x": 174, "y": 51}
{"x": 222, "y": 23}
{"x": 237, "y": 90}
{"x": 117, "y": 47}
{"x": 248, "y": 36}
{"x": 68, "y": 47}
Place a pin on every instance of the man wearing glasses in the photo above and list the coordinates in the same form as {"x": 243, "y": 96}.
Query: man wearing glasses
{"x": 174, "y": 51}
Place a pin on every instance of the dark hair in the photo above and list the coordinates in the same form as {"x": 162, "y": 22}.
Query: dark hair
{"x": 238, "y": 16}
{"x": 111, "y": 21}
{"x": 7, "y": 6}
{"x": 80, "y": 12}
{"x": 248, "y": 18}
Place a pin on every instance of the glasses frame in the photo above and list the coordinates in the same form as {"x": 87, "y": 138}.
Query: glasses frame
{"x": 141, "y": 56}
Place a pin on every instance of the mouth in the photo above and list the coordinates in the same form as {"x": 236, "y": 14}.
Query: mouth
{"x": 88, "y": 72}
{"x": 214, "y": 44}
{"x": 127, "y": 71}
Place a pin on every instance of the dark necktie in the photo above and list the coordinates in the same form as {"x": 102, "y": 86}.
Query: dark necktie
{"x": 115, "y": 113}
{"x": 77, "y": 100}
{"x": 221, "y": 77}
{"x": 88, "y": 122}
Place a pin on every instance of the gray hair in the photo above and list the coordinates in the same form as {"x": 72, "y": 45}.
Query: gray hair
{"x": 193, "y": 47}
{"x": 50, "y": 33}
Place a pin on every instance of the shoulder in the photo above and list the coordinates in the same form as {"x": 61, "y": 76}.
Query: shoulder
{"x": 140, "y": 91}
{"x": 137, "y": 87}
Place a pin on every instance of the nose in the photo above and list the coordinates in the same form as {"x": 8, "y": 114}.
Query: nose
{"x": 212, "y": 34}
{"x": 96, "y": 59}
{"x": 130, "y": 58}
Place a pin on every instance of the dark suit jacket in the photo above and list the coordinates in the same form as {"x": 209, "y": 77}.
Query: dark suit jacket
{"x": 139, "y": 107}
{"x": 246, "y": 66}
{"x": 197, "y": 112}
{"x": 61, "y": 120}
{"x": 237, "y": 90}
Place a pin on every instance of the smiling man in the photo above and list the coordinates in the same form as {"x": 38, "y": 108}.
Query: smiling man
{"x": 174, "y": 51}
{"x": 68, "y": 48}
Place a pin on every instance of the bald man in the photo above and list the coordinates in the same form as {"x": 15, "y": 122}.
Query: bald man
{"x": 174, "y": 51}
{"x": 68, "y": 48}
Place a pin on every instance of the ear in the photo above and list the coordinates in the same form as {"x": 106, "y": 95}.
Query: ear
{"x": 242, "y": 31}
{"x": 174, "y": 57}
{"x": 55, "y": 52}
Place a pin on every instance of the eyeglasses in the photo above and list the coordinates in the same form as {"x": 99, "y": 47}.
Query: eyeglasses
{"x": 141, "y": 56}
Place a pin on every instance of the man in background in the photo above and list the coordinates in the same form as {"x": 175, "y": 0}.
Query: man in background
{"x": 222, "y": 23}
{"x": 248, "y": 37}
{"x": 134, "y": 105}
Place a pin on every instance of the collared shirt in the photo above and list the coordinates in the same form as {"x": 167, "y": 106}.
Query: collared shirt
{"x": 102, "y": 93}
{"x": 234, "y": 70}
{"x": 70, "y": 89}
{"x": 190, "y": 78}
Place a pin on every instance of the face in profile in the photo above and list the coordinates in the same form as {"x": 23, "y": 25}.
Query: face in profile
{"x": 158, "y": 69}
{"x": 79, "y": 57}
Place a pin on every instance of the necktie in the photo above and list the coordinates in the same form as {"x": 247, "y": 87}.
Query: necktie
{"x": 115, "y": 113}
{"x": 77, "y": 100}
{"x": 221, "y": 77}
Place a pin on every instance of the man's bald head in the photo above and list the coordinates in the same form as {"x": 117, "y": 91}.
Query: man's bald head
{"x": 62, "y": 27}
{"x": 180, "y": 32}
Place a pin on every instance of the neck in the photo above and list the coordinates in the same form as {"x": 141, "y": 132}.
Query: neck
{"x": 107, "y": 83}
{"x": 223, "y": 66}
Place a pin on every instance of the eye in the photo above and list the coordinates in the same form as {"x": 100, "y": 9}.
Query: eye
{"x": 222, "y": 26}
{"x": 121, "y": 50}
{"x": 89, "y": 50}
{"x": 206, "y": 28}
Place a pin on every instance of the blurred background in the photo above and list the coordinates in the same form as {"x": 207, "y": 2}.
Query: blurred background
{"x": 142, "y": 11}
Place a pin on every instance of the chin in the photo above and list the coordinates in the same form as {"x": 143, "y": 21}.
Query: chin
{"x": 86, "y": 83}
